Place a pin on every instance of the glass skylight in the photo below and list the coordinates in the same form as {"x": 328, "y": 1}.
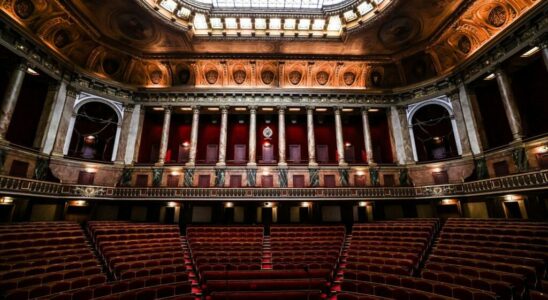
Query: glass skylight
{"x": 289, "y": 4}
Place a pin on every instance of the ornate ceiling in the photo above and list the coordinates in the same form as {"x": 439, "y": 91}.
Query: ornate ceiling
{"x": 128, "y": 42}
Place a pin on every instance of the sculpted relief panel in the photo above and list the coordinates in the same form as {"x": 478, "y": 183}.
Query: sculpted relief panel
{"x": 482, "y": 21}
{"x": 116, "y": 59}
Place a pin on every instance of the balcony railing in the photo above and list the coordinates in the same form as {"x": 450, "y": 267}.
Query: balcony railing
{"x": 514, "y": 183}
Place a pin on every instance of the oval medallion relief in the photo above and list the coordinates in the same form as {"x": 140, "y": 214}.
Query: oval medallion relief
{"x": 24, "y": 8}
{"x": 295, "y": 77}
{"x": 239, "y": 76}
{"x": 322, "y": 77}
{"x": 156, "y": 77}
{"x": 267, "y": 77}
{"x": 349, "y": 78}
{"x": 211, "y": 76}
{"x": 497, "y": 16}
{"x": 464, "y": 44}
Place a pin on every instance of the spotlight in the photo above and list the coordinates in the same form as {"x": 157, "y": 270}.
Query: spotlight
{"x": 489, "y": 77}
{"x": 32, "y": 72}
{"x": 530, "y": 52}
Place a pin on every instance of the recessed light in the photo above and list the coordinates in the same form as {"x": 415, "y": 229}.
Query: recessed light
{"x": 158, "y": 108}
{"x": 530, "y": 52}
{"x": 489, "y": 77}
{"x": 294, "y": 109}
{"x": 213, "y": 108}
{"x": 347, "y": 109}
{"x": 240, "y": 109}
{"x": 186, "y": 108}
{"x": 32, "y": 72}
{"x": 321, "y": 109}
{"x": 267, "y": 109}
{"x": 373, "y": 110}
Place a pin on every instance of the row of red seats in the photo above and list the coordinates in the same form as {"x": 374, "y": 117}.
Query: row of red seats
{"x": 496, "y": 238}
{"x": 532, "y": 232}
{"x": 16, "y": 273}
{"x": 266, "y": 295}
{"x": 31, "y": 243}
{"x": 266, "y": 285}
{"x": 503, "y": 289}
{"x": 538, "y": 264}
{"x": 389, "y": 291}
{"x": 40, "y": 259}
{"x": 40, "y": 279}
{"x": 41, "y": 290}
{"x": 39, "y": 262}
{"x": 426, "y": 285}
{"x": 228, "y": 260}
{"x": 149, "y": 288}
{"x": 16, "y": 236}
{"x": 265, "y": 274}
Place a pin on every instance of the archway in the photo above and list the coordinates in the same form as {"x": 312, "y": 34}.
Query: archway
{"x": 433, "y": 133}
{"x": 94, "y": 135}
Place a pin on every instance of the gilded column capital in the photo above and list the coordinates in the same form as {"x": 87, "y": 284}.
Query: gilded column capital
{"x": 281, "y": 108}
{"x": 253, "y": 109}
{"x": 168, "y": 109}
{"x": 129, "y": 107}
{"x": 195, "y": 109}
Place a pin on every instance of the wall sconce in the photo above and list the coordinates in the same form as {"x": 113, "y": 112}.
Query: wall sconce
{"x": 6, "y": 200}
{"x": 305, "y": 204}
{"x": 363, "y": 204}
{"x": 229, "y": 204}
{"x": 186, "y": 144}
{"x": 172, "y": 204}
{"x": 347, "y": 144}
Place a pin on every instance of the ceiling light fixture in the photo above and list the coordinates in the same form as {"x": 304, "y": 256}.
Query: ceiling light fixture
{"x": 530, "y": 52}
{"x": 490, "y": 77}
{"x": 32, "y": 72}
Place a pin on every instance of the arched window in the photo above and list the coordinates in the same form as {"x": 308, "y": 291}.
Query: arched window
{"x": 94, "y": 133}
{"x": 433, "y": 133}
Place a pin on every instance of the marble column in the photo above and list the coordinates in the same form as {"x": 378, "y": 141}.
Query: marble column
{"x": 194, "y": 136}
{"x": 509, "y": 103}
{"x": 10, "y": 98}
{"x": 50, "y": 120}
{"x": 41, "y": 130}
{"x": 281, "y": 137}
{"x": 133, "y": 134}
{"x": 66, "y": 124}
{"x": 310, "y": 137}
{"x": 223, "y": 137}
{"x": 470, "y": 120}
{"x": 252, "y": 159}
{"x": 339, "y": 137}
{"x": 165, "y": 135}
{"x": 400, "y": 134}
{"x": 459, "y": 126}
{"x": 125, "y": 127}
{"x": 116, "y": 142}
{"x": 367, "y": 136}
{"x": 544, "y": 47}
{"x": 140, "y": 123}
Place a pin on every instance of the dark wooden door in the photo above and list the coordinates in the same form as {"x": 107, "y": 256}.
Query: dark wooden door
{"x": 203, "y": 181}
{"x": 141, "y": 180}
{"x": 86, "y": 178}
{"x": 329, "y": 181}
{"x": 183, "y": 154}
{"x": 173, "y": 181}
{"x": 268, "y": 154}
{"x": 349, "y": 154}
{"x": 322, "y": 154}
{"x": 212, "y": 153}
{"x": 298, "y": 181}
{"x": 389, "y": 180}
{"x": 267, "y": 181}
{"x": 236, "y": 181}
{"x": 239, "y": 153}
{"x": 359, "y": 180}
{"x": 295, "y": 153}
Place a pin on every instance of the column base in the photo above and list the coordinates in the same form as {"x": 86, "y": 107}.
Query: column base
{"x": 119, "y": 162}
{"x": 343, "y": 164}
{"x": 57, "y": 155}
{"x": 252, "y": 165}
{"x": 190, "y": 164}
{"x": 312, "y": 164}
{"x": 221, "y": 164}
{"x": 282, "y": 164}
{"x": 159, "y": 164}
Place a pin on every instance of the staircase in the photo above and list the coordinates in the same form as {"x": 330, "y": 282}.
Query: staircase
{"x": 267, "y": 254}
